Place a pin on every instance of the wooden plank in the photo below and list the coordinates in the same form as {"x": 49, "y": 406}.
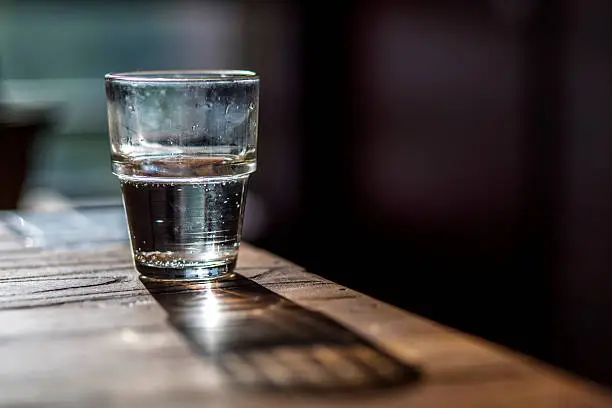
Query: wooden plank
{"x": 79, "y": 328}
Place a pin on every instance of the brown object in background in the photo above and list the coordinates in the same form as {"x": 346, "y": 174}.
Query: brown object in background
{"x": 18, "y": 128}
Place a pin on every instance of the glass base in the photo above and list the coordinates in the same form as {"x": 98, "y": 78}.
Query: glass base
{"x": 188, "y": 273}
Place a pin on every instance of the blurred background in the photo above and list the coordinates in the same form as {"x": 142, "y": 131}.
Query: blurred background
{"x": 453, "y": 158}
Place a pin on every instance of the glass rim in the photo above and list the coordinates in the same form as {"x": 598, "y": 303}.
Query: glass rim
{"x": 183, "y": 76}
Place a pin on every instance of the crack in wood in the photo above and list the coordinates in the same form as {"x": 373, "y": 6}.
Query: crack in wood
{"x": 6, "y": 268}
{"x": 109, "y": 282}
{"x": 87, "y": 297}
{"x": 75, "y": 274}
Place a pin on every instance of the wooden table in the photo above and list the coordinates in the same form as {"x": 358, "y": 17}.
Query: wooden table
{"x": 79, "y": 328}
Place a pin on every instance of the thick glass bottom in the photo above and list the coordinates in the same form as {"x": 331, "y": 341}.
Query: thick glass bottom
{"x": 188, "y": 273}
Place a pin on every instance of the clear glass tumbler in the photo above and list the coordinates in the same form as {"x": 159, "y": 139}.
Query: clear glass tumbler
{"x": 183, "y": 144}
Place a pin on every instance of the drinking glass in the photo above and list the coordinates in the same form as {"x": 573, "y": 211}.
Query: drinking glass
{"x": 183, "y": 145}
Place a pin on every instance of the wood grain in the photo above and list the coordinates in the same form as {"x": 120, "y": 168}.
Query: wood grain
{"x": 79, "y": 328}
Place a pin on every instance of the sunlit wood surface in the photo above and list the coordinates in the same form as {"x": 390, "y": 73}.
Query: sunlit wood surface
{"x": 79, "y": 328}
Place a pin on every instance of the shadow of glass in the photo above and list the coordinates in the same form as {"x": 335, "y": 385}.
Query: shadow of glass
{"x": 258, "y": 339}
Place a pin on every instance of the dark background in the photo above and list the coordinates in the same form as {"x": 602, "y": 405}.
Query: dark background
{"x": 453, "y": 158}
